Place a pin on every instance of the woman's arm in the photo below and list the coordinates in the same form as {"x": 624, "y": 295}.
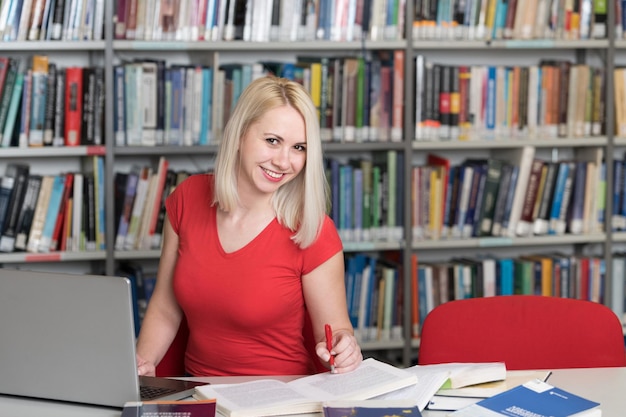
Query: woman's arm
{"x": 163, "y": 315}
{"x": 325, "y": 297}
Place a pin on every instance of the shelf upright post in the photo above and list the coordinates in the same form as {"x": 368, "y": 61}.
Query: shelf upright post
{"x": 409, "y": 134}
{"x": 610, "y": 283}
{"x": 109, "y": 141}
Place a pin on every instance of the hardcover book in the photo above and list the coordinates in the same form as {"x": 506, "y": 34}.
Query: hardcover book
{"x": 535, "y": 398}
{"x": 205, "y": 408}
{"x": 371, "y": 408}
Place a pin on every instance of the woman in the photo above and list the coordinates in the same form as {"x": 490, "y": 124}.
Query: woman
{"x": 249, "y": 251}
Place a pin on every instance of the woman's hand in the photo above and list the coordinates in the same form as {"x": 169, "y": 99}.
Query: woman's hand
{"x": 145, "y": 368}
{"x": 346, "y": 351}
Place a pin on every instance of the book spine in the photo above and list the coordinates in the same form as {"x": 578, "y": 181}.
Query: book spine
{"x": 54, "y": 204}
{"x": 38, "y": 100}
{"x": 26, "y": 215}
{"x": 58, "y": 136}
{"x": 73, "y": 105}
{"x": 48, "y": 132}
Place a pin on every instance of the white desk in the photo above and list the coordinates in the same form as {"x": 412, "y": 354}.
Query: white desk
{"x": 604, "y": 385}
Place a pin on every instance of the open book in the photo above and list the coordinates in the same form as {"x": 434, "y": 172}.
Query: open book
{"x": 439, "y": 377}
{"x": 305, "y": 395}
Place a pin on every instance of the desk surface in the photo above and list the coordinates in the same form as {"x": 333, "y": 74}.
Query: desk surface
{"x": 604, "y": 385}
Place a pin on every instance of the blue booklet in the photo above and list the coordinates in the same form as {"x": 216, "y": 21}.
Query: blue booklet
{"x": 534, "y": 398}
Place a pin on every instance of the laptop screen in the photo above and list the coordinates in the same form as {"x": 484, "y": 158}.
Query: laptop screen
{"x": 67, "y": 337}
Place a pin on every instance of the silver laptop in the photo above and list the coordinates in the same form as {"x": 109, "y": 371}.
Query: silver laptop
{"x": 71, "y": 338}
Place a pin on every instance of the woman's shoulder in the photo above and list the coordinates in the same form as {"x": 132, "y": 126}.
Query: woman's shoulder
{"x": 197, "y": 181}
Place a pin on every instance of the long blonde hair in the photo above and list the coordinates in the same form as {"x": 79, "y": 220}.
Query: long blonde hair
{"x": 302, "y": 203}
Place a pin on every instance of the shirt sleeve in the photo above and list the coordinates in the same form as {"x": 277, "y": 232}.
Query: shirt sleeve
{"x": 326, "y": 246}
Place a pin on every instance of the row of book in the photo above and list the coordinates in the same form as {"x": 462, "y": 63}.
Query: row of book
{"x": 555, "y": 275}
{"x": 555, "y": 98}
{"x": 47, "y": 213}
{"x": 357, "y": 99}
{"x": 259, "y": 20}
{"x": 159, "y": 105}
{"x": 374, "y": 297}
{"x": 368, "y": 197}
{"x": 42, "y": 104}
{"x": 43, "y": 20}
{"x": 515, "y": 19}
{"x": 508, "y": 195}
{"x": 140, "y": 204}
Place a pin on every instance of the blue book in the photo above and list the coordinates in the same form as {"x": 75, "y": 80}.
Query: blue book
{"x": 557, "y": 197}
{"x": 177, "y": 75}
{"x": 500, "y": 20}
{"x": 505, "y": 274}
{"x": 359, "y": 261}
{"x": 534, "y": 398}
{"x": 508, "y": 205}
{"x": 576, "y": 219}
{"x": 54, "y": 205}
{"x": 357, "y": 204}
{"x": 367, "y": 292}
{"x": 490, "y": 118}
{"x": 206, "y": 124}
{"x": 350, "y": 283}
{"x": 125, "y": 216}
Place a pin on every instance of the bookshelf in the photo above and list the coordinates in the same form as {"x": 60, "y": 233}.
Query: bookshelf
{"x": 111, "y": 51}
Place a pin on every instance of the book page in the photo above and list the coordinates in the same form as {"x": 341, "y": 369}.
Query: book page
{"x": 258, "y": 393}
{"x": 370, "y": 379}
{"x": 429, "y": 380}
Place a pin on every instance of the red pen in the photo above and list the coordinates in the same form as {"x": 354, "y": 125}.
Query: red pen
{"x": 329, "y": 346}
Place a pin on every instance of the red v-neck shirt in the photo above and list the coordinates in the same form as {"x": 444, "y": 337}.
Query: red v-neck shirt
{"x": 245, "y": 309}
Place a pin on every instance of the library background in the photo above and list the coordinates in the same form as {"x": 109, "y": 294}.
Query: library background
{"x": 473, "y": 147}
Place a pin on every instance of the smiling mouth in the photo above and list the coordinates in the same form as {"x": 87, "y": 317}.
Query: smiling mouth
{"x": 273, "y": 174}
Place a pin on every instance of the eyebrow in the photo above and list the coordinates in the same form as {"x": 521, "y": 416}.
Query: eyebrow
{"x": 282, "y": 138}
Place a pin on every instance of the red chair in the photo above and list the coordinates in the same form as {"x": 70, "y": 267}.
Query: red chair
{"x": 173, "y": 363}
{"x": 523, "y": 331}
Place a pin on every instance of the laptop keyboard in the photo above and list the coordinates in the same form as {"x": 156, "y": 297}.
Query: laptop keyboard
{"x": 149, "y": 393}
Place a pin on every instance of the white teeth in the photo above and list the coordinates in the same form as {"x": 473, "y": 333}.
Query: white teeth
{"x": 272, "y": 173}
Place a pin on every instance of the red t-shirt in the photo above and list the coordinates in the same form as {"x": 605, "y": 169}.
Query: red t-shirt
{"x": 245, "y": 309}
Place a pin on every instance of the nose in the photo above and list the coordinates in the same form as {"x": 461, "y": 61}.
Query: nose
{"x": 281, "y": 158}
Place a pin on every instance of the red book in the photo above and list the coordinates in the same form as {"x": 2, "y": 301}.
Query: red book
{"x": 4, "y": 68}
{"x": 58, "y": 226}
{"x": 73, "y": 105}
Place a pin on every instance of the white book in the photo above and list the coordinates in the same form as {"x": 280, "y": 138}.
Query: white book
{"x": 229, "y": 25}
{"x": 148, "y": 100}
{"x": 523, "y": 157}
{"x": 188, "y": 107}
{"x": 22, "y": 31}
{"x": 77, "y": 213}
{"x": 4, "y": 15}
{"x": 133, "y": 85}
{"x": 98, "y": 21}
{"x": 140, "y": 199}
{"x": 209, "y": 27}
{"x": 196, "y": 105}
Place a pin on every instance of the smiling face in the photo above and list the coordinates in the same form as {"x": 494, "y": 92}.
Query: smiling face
{"x": 272, "y": 152}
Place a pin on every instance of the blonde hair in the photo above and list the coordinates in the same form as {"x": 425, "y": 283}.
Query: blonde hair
{"x": 300, "y": 204}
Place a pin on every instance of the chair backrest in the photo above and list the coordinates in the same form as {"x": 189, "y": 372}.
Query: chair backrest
{"x": 524, "y": 331}
{"x": 173, "y": 363}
